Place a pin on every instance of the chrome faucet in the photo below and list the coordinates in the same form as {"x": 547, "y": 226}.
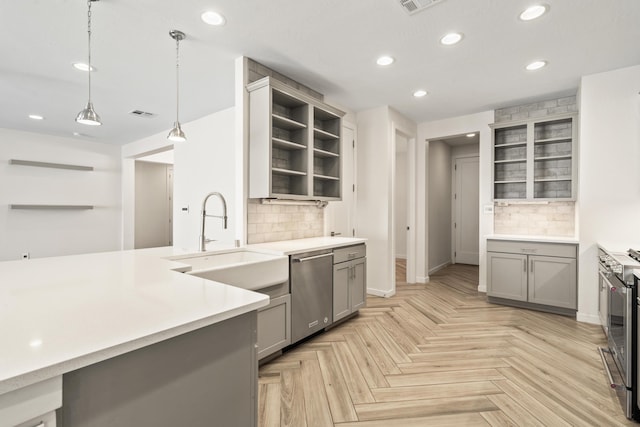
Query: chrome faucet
{"x": 203, "y": 239}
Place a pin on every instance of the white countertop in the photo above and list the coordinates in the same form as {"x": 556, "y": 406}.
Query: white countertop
{"x": 63, "y": 313}
{"x": 289, "y": 247}
{"x": 531, "y": 238}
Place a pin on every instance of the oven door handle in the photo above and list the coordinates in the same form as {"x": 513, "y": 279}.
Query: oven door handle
{"x": 606, "y": 366}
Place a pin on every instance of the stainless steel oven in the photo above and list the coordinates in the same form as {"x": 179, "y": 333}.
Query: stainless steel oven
{"x": 615, "y": 272}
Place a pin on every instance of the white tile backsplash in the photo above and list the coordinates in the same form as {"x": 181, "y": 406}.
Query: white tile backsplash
{"x": 552, "y": 219}
{"x": 272, "y": 223}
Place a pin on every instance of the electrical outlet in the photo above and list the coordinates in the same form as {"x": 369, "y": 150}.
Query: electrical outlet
{"x": 26, "y": 255}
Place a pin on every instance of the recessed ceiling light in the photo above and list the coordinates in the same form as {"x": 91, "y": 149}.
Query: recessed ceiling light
{"x": 420, "y": 93}
{"x": 36, "y": 117}
{"x": 536, "y": 65}
{"x": 534, "y": 12}
{"x": 82, "y": 66}
{"x": 451, "y": 38}
{"x": 471, "y": 135}
{"x": 385, "y": 60}
{"x": 213, "y": 18}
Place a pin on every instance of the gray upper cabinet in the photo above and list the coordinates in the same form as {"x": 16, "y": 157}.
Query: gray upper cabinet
{"x": 535, "y": 273}
{"x": 535, "y": 159}
{"x": 294, "y": 144}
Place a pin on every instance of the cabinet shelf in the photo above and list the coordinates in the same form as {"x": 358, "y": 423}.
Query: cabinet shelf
{"x": 323, "y": 153}
{"x": 281, "y": 171}
{"x": 286, "y": 123}
{"x": 559, "y": 179}
{"x": 281, "y": 143}
{"x": 563, "y": 157}
{"x": 510, "y": 161}
{"x": 326, "y": 177}
{"x": 518, "y": 181}
{"x": 511, "y": 144}
{"x": 323, "y": 134}
{"x": 559, "y": 139}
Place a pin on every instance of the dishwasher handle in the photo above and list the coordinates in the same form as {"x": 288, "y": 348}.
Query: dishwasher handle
{"x": 309, "y": 258}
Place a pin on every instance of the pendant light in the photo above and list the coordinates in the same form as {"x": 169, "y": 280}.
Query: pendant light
{"x": 88, "y": 116}
{"x": 176, "y": 134}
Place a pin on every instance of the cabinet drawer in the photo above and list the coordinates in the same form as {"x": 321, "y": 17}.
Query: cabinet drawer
{"x": 565, "y": 250}
{"x": 348, "y": 253}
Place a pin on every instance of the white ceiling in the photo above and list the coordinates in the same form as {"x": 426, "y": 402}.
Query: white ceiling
{"x": 329, "y": 45}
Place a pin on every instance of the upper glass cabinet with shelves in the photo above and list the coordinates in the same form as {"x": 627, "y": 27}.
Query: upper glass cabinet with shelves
{"x": 534, "y": 159}
{"x": 294, "y": 144}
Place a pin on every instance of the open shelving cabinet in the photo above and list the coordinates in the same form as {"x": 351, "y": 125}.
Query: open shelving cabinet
{"x": 294, "y": 144}
{"x": 535, "y": 159}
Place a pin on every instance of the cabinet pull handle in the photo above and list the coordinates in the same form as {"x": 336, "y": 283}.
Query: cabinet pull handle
{"x": 525, "y": 265}
{"x": 532, "y": 266}
{"x": 312, "y": 257}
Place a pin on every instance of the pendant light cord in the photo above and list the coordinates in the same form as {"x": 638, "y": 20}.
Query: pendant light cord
{"x": 177, "y": 79}
{"x": 89, "y": 43}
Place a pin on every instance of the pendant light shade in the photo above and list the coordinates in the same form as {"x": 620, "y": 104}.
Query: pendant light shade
{"x": 88, "y": 115}
{"x": 177, "y": 134}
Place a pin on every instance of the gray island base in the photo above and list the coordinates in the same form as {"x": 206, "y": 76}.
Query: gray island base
{"x": 204, "y": 378}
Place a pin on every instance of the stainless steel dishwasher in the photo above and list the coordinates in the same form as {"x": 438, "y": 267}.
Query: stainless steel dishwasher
{"x": 311, "y": 293}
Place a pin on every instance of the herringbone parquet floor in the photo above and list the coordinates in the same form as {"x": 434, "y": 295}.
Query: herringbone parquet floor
{"x": 440, "y": 355}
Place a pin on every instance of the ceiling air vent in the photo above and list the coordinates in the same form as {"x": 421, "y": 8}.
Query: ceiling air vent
{"x": 415, "y": 6}
{"x": 141, "y": 113}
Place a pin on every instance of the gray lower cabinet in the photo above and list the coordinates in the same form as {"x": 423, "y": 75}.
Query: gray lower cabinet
{"x": 542, "y": 275}
{"x": 274, "y": 326}
{"x": 349, "y": 281}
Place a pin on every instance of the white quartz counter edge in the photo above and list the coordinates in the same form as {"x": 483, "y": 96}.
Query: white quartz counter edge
{"x": 290, "y": 247}
{"x": 542, "y": 239}
{"x": 62, "y": 351}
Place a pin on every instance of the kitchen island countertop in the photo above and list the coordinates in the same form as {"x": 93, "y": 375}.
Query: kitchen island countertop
{"x": 63, "y": 313}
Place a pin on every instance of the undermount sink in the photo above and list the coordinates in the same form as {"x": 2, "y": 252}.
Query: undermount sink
{"x": 239, "y": 267}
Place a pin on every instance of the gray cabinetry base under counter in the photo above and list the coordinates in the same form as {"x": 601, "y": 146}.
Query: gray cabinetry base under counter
{"x": 204, "y": 378}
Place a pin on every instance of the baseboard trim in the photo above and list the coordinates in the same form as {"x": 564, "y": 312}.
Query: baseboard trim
{"x": 594, "y": 319}
{"x": 439, "y": 267}
{"x": 401, "y": 257}
{"x": 380, "y": 293}
{"x": 422, "y": 279}
{"x": 482, "y": 288}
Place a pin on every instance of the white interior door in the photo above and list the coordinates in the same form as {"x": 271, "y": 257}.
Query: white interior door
{"x": 340, "y": 216}
{"x": 466, "y": 218}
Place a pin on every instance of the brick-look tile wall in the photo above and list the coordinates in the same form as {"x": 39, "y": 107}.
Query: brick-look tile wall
{"x": 551, "y": 107}
{"x": 271, "y": 223}
{"x": 553, "y": 219}
{"x": 258, "y": 71}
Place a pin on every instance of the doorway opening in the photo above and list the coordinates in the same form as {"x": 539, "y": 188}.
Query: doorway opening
{"x": 403, "y": 211}
{"x": 454, "y": 207}
{"x": 153, "y": 208}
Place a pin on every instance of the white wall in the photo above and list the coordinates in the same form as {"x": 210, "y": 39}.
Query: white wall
{"x": 373, "y": 221}
{"x": 609, "y": 174}
{"x": 52, "y": 233}
{"x": 401, "y": 187}
{"x": 377, "y": 132}
{"x": 204, "y": 163}
{"x": 439, "y": 205}
{"x": 455, "y": 126}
